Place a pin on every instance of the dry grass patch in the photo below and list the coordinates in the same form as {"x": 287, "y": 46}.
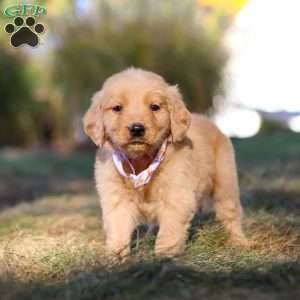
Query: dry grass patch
{"x": 58, "y": 242}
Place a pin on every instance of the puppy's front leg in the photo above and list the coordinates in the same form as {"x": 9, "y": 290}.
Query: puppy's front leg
{"x": 119, "y": 220}
{"x": 175, "y": 218}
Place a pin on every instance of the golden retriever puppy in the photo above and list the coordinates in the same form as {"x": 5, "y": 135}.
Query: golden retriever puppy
{"x": 157, "y": 162}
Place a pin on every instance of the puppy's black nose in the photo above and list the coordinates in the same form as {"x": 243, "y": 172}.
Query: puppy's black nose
{"x": 137, "y": 129}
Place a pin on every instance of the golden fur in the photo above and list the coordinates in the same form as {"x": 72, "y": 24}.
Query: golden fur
{"x": 199, "y": 163}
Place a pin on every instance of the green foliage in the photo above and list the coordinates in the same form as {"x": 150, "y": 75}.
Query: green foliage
{"x": 272, "y": 127}
{"x": 158, "y": 36}
{"x": 17, "y": 106}
{"x": 279, "y": 146}
{"x": 29, "y": 111}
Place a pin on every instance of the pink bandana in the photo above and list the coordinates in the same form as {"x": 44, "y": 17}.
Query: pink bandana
{"x": 144, "y": 177}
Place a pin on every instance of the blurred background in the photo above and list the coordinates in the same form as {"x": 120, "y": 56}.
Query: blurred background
{"x": 236, "y": 61}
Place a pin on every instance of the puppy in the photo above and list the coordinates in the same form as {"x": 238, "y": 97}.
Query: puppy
{"x": 157, "y": 163}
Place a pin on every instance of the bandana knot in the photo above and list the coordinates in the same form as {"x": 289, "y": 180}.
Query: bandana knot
{"x": 143, "y": 178}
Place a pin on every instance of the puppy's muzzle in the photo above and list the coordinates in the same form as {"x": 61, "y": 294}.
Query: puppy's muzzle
{"x": 136, "y": 130}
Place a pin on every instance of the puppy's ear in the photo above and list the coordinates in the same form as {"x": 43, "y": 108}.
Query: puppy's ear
{"x": 180, "y": 116}
{"x": 93, "y": 122}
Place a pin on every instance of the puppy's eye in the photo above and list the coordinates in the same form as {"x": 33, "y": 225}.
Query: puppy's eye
{"x": 154, "y": 107}
{"x": 117, "y": 108}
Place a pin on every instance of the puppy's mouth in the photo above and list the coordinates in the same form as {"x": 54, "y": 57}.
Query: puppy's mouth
{"x": 136, "y": 143}
{"x": 136, "y": 147}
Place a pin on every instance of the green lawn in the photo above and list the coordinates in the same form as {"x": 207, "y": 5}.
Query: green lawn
{"x": 51, "y": 239}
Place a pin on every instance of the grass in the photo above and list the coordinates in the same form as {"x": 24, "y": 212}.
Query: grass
{"x": 52, "y": 247}
{"x": 27, "y": 176}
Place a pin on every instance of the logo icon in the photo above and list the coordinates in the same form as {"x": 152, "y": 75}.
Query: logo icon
{"x": 25, "y": 10}
{"x": 24, "y": 30}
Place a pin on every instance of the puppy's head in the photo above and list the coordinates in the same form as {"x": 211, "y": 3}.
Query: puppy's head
{"x": 135, "y": 111}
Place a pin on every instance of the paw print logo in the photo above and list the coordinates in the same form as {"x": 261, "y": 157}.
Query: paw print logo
{"x": 24, "y": 33}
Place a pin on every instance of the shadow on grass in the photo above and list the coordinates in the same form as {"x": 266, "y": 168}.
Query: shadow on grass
{"x": 164, "y": 280}
{"x": 25, "y": 177}
{"x": 272, "y": 200}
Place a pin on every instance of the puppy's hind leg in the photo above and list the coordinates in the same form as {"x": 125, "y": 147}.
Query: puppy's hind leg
{"x": 226, "y": 191}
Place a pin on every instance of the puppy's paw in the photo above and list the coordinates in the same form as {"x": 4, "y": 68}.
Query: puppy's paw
{"x": 116, "y": 258}
{"x": 117, "y": 255}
